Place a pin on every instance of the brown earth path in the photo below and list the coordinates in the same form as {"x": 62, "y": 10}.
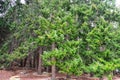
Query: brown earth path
{"x": 32, "y": 75}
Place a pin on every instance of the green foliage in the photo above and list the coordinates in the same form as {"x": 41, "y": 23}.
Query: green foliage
{"x": 96, "y": 35}
{"x": 86, "y": 38}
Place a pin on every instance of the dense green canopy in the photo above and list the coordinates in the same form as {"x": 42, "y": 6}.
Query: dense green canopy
{"x": 85, "y": 34}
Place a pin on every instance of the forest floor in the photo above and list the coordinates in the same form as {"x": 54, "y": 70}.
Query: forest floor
{"x": 32, "y": 75}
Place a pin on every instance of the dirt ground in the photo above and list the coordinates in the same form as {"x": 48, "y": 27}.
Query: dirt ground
{"x": 32, "y": 75}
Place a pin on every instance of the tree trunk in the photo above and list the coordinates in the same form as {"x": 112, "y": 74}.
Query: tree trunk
{"x": 40, "y": 61}
{"x": 68, "y": 77}
{"x": 53, "y": 66}
{"x": 27, "y": 62}
{"x": 36, "y": 60}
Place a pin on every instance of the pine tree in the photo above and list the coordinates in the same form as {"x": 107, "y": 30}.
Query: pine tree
{"x": 81, "y": 36}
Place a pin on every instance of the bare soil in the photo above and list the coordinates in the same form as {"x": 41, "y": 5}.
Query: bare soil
{"x": 32, "y": 75}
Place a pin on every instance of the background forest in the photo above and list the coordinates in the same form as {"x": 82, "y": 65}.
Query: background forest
{"x": 67, "y": 36}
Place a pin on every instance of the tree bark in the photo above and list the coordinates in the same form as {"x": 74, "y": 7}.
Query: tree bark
{"x": 40, "y": 61}
{"x": 36, "y": 57}
{"x": 27, "y": 62}
{"x": 53, "y": 66}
